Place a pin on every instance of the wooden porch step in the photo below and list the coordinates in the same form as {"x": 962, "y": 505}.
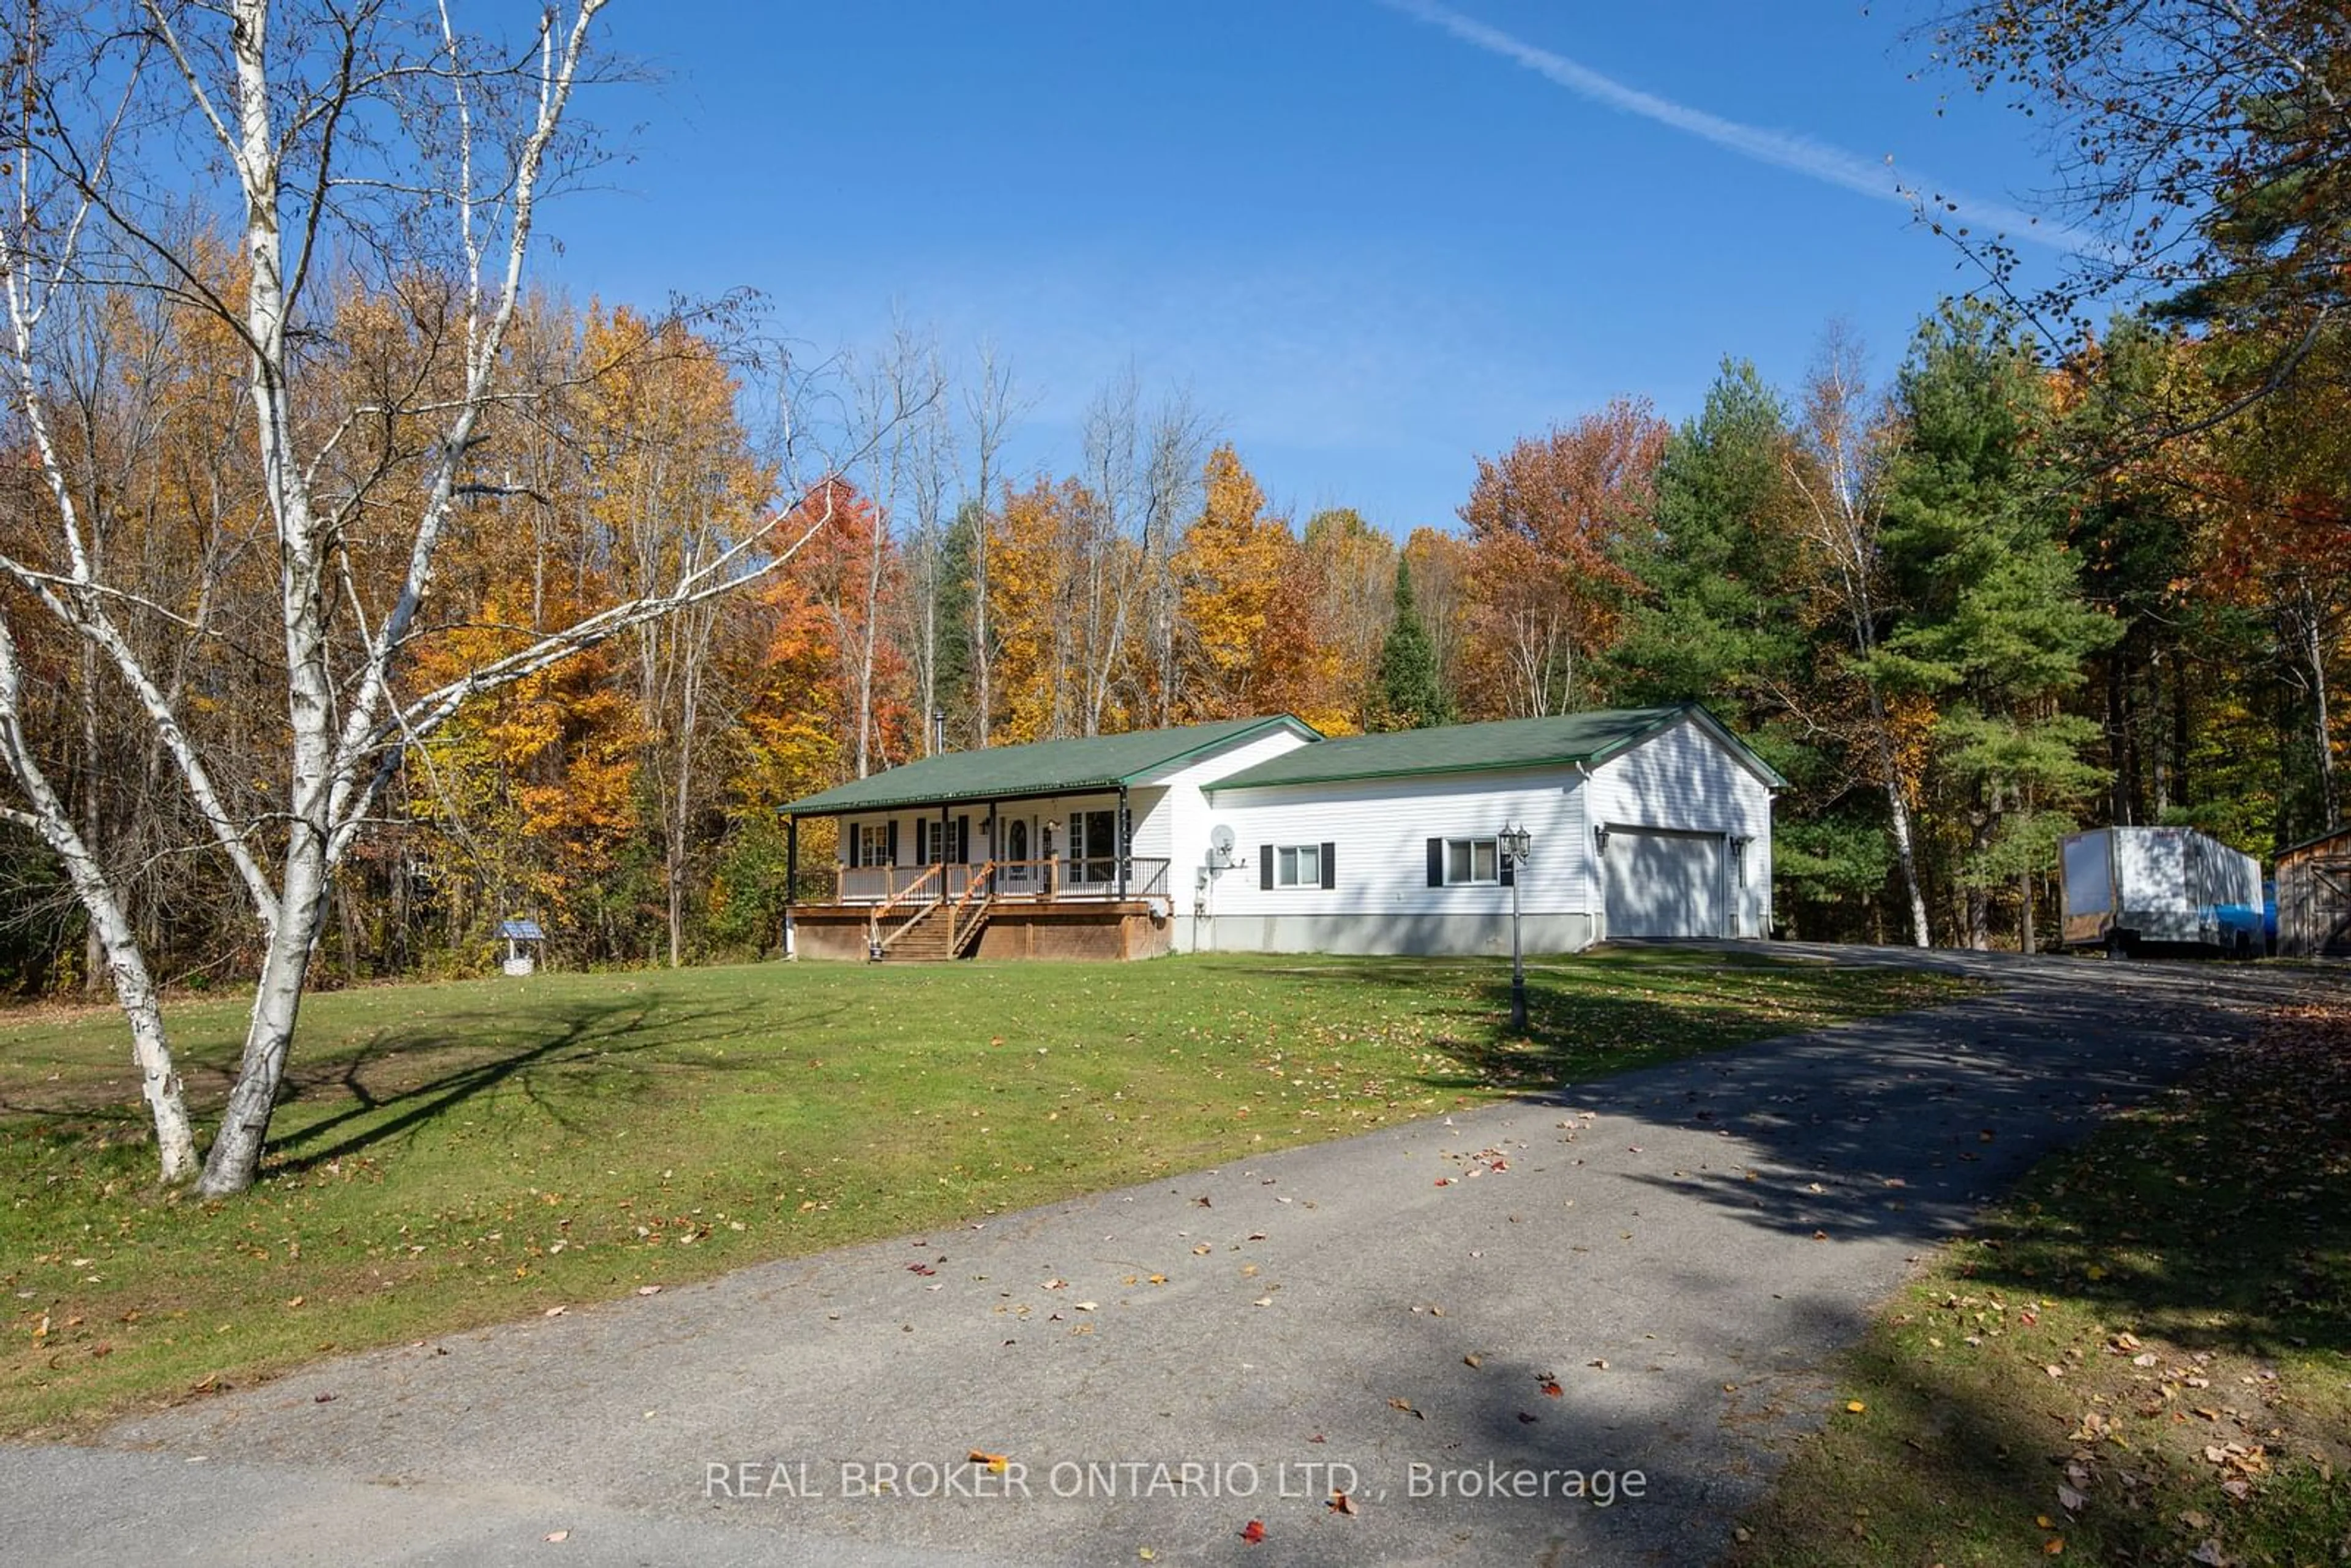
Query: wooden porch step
{"x": 925, "y": 941}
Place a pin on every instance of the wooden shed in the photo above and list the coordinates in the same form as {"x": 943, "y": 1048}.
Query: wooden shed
{"x": 2313, "y": 897}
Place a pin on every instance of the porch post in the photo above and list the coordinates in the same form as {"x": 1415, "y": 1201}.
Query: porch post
{"x": 1121, "y": 841}
{"x": 791, "y": 878}
{"x": 994, "y": 848}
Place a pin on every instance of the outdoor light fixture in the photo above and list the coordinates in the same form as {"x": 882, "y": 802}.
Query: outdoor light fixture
{"x": 1516, "y": 844}
{"x": 1599, "y": 839}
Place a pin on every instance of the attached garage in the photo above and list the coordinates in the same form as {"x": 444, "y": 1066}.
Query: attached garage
{"x": 1256, "y": 835}
{"x": 1662, "y": 883}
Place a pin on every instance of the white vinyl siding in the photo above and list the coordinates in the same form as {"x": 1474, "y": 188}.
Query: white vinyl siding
{"x": 1380, "y": 828}
{"x": 1178, "y": 827}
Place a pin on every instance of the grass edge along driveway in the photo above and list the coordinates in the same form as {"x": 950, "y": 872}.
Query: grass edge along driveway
{"x": 460, "y": 1154}
{"x": 2143, "y": 1355}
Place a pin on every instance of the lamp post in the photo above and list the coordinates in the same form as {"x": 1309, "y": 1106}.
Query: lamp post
{"x": 1515, "y": 843}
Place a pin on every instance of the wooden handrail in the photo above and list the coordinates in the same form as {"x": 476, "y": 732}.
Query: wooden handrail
{"x": 973, "y": 885}
{"x": 875, "y": 941}
{"x": 882, "y": 908}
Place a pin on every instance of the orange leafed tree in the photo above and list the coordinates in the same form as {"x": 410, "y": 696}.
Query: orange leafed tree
{"x": 1234, "y": 572}
{"x": 827, "y": 673}
{"x": 1543, "y": 520}
{"x": 1044, "y": 550}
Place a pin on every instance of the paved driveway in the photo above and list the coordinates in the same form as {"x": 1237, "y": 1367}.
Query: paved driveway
{"x": 1675, "y": 1252}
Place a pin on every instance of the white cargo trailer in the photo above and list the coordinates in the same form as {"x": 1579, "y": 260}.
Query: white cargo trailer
{"x": 2174, "y": 886}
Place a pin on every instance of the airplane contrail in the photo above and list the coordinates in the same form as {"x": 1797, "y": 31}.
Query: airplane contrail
{"x": 1801, "y": 154}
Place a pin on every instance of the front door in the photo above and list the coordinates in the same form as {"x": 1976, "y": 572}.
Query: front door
{"x": 1018, "y": 875}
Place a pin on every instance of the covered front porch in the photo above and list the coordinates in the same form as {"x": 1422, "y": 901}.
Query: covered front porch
{"x": 1048, "y": 876}
{"x": 1074, "y": 848}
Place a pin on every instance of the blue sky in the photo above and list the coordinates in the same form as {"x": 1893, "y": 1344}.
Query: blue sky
{"x": 1372, "y": 238}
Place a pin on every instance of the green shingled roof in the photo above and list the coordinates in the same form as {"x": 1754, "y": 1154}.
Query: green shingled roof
{"x": 1586, "y": 738}
{"x": 1044, "y": 768}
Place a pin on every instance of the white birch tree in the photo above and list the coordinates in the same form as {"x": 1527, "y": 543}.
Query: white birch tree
{"x": 370, "y": 136}
{"x": 1840, "y": 483}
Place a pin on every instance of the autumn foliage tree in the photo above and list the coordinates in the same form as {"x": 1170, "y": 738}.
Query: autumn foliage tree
{"x": 1545, "y": 521}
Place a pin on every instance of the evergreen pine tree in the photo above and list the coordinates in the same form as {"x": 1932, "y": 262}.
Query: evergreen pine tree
{"x": 1995, "y": 633}
{"x": 1411, "y": 695}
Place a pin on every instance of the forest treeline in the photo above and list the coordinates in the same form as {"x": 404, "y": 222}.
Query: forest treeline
{"x": 1964, "y": 614}
{"x": 464, "y": 602}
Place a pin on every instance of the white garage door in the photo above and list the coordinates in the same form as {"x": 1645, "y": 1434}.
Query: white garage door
{"x": 1663, "y": 884}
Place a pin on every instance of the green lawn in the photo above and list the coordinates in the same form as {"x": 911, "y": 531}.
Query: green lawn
{"x": 454, "y": 1154}
{"x": 2144, "y": 1357}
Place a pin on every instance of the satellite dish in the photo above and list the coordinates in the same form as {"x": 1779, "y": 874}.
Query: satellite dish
{"x": 1220, "y": 844}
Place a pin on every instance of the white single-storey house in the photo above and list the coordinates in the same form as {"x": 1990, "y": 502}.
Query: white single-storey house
{"x": 1260, "y": 835}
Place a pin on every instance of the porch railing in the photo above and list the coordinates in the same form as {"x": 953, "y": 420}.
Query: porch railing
{"x": 1058, "y": 880}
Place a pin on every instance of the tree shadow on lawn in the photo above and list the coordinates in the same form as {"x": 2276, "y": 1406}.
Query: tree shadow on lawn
{"x": 1586, "y": 1018}
{"x": 560, "y": 1056}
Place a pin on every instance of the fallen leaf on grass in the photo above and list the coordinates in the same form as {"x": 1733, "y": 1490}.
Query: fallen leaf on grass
{"x": 2069, "y": 1500}
{"x": 1855, "y": 1407}
{"x": 649, "y": 1289}
{"x": 555, "y": 1311}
